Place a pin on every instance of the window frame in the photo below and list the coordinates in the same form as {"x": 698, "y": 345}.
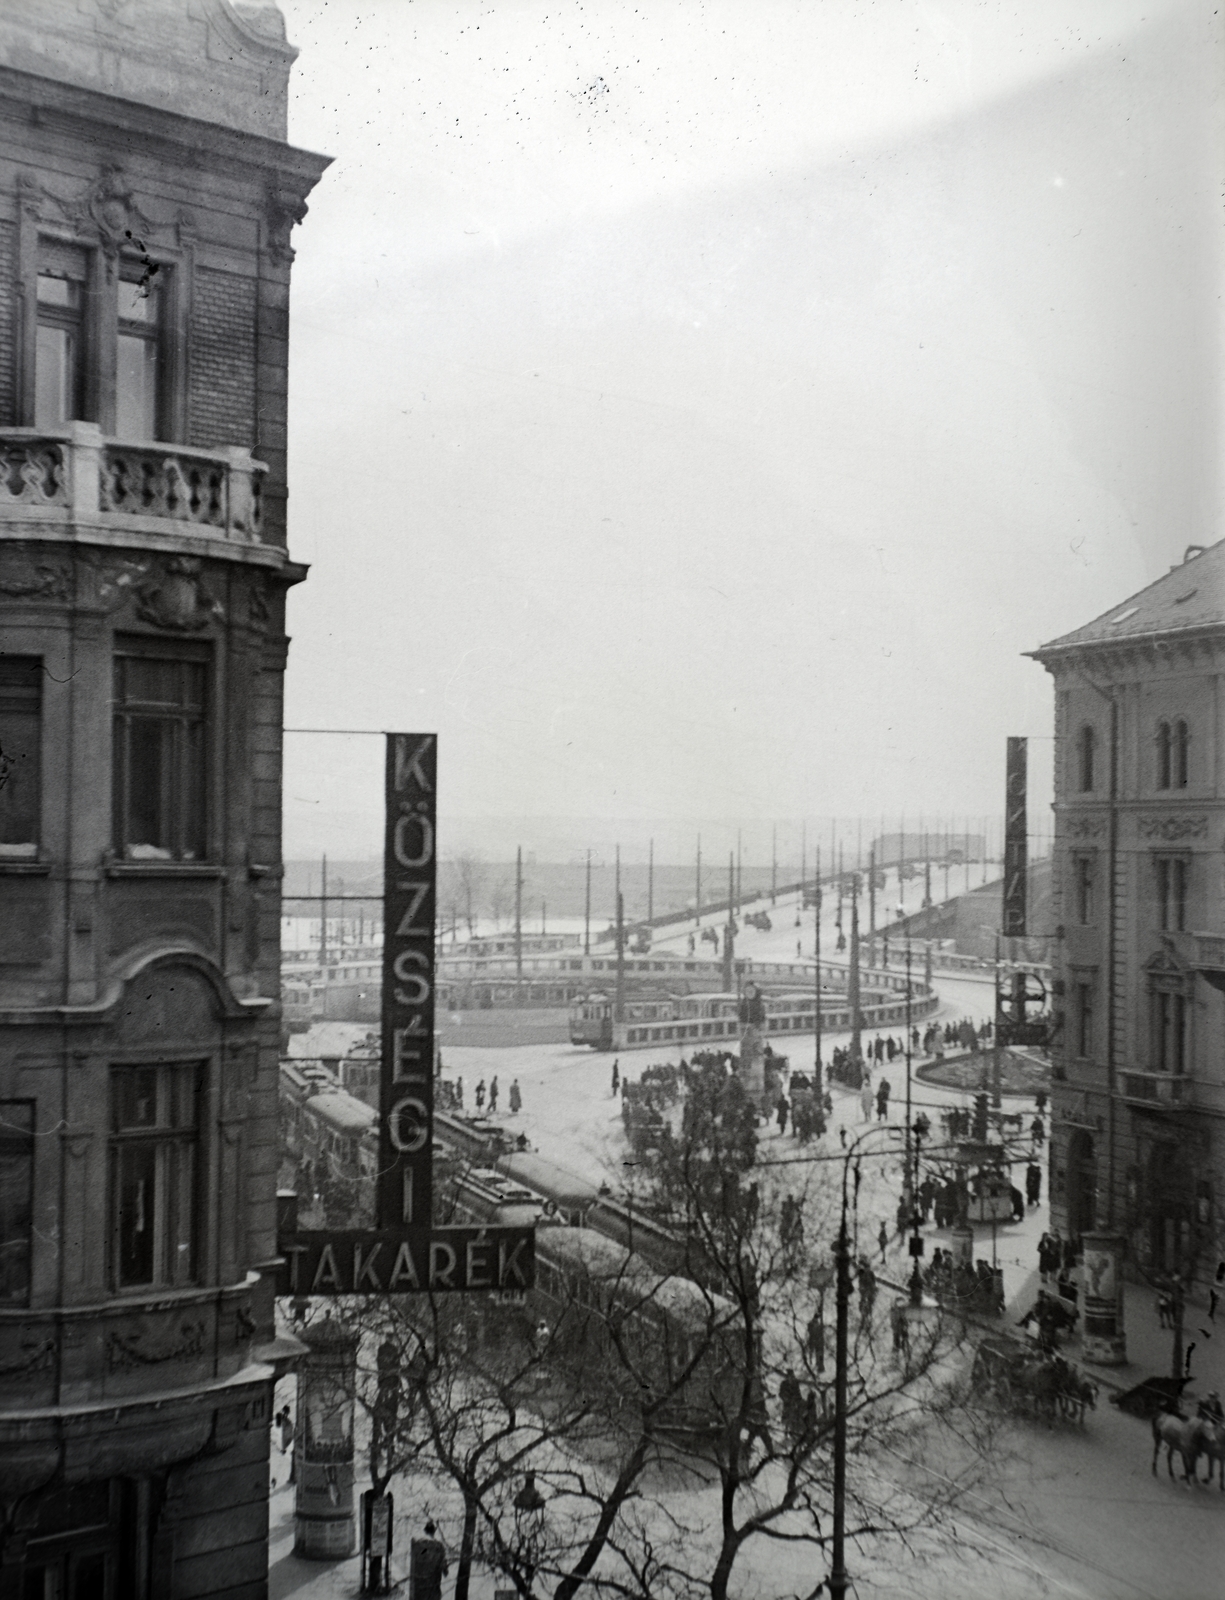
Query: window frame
{"x": 22, "y": 1141}
{"x": 30, "y": 666}
{"x": 108, "y": 265}
{"x": 1171, "y": 889}
{"x": 125, "y": 713}
{"x": 1169, "y": 1027}
{"x": 166, "y": 1139}
{"x": 1086, "y": 1017}
{"x": 1084, "y": 869}
{"x": 1086, "y": 758}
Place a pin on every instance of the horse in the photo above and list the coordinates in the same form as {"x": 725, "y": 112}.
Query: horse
{"x": 1179, "y": 1433}
{"x": 1213, "y": 1438}
{"x": 1078, "y": 1393}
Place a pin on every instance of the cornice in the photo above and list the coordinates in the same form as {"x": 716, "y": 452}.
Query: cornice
{"x": 104, "y": 119}
{"x": 1149, "y": 648}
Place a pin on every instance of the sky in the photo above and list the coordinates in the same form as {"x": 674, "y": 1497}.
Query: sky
{"x": 696, "y": 408}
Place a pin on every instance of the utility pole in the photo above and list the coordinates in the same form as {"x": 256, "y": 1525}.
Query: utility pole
{"x": 739, "y": 874}
{"x": 842, "y": 1253}
{"x": 651, "y": 881}
{"x": 697, "y": 885}
{"x": 519, "y": 925}
{"x": 729, "y": 938}
{"x": 799, "y": 908}
{"x": 853, "y": 977}
{"x": 619, "y": 997}
{"x": 910, "y": 1173}
{"x": 773, "y": 863}
{"x": 323, "y": 923}
{"x": 816, "y": 917}
{"x": 587, "y": 911}
{"x": 872, "y": 905}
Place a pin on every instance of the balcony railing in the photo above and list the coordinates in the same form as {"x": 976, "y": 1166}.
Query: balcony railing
{"x": 1208, "y": 952}
{"x": 1158, "y": 1088}
{"x": 76, "y": 475}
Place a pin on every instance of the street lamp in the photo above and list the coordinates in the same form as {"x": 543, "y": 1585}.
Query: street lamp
{"x": 842, "y": 1264}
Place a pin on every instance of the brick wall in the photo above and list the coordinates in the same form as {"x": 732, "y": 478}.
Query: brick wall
{"x": 221, "y": 402}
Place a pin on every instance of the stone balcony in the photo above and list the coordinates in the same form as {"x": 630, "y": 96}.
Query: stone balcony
{"x": 75, "y": 483}
{"x": 1208, "y": 957}
{"x": 1157, "y": 1091}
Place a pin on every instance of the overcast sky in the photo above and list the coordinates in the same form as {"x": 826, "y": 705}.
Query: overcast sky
{"x": 696, "y": 407}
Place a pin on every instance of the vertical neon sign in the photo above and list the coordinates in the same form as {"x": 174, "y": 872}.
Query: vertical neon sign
{"x": 406, "y": 1097}
{"x": 1016, "y": 845}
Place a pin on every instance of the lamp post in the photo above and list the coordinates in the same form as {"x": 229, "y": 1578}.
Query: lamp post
{"x": 909, "y": 1186}
{"x": 842, "y": 1264}
{"x": 817, "y": 980}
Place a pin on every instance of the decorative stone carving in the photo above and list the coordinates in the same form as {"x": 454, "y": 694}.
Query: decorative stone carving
{"x": 123, "y": 1350}
{"x": 1171, "y": 828}
{"x": 259, "y": 602}
{"x": 40, "y": 1358}
{"x": 282, "y": 208}
{"x": 23, "y": 578}
{"x": 115, "y": 579}
{"x": 1086, "y": 827}
{"x": 33, "y": 472}
{"x": 173, "y": 596}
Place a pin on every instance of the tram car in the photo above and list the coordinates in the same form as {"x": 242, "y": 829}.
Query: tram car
{"x": 481, "y": 1195}
{"x": 300, "y": 1004}
{"x": 588, "y": 1286}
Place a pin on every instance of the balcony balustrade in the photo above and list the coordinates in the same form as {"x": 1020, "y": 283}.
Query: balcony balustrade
{"x": 1167, "y": 1090}
{"x": 75, "y": 476}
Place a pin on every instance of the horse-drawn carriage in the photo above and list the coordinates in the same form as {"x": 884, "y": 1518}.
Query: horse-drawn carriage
{"x": 759, "y": 920}
{"x": 1021, "y": 1377}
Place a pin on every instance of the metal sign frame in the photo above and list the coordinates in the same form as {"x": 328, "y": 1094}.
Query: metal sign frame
{"x": 1016, "y": 843}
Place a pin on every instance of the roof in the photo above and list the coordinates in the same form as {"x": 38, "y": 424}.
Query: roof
{"x": 1189, "y": 598}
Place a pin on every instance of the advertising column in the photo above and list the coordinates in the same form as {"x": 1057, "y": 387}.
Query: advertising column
{"x": 1103, "y": 1339}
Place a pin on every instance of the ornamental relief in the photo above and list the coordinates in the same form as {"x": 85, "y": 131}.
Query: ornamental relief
{"x": 24, "y": 577}
{"x": 1086, "y": 827}
{"x": 1171, "y": 828}
{"x": 106, "y": 208}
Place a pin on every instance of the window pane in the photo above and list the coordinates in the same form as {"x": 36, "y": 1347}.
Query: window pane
{"x": 136, "y": 1098}
{"x": 140, "y": 300}
{"x": 16, "y": 1200}
{"x": 136, "y": 387}
{"x": 150, "y": 768}
{"x": 151, "y": 682}
{"x": 54, "y": 376}
{"x": 62, "y": 292}
{"x": 192, "y": 842}
{"x": 180, "y": 1197}
{"x": 136, "y": 1220}
{"x": 19, "y": 786}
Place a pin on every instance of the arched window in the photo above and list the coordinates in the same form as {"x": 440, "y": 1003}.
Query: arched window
{"x": 1181, "y": 752}
{"x": 1164, "y": 753}
{"x": 1086, "y": 745}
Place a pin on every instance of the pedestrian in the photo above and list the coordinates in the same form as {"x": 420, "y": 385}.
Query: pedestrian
{"x": 816, "y": 1340}
{"x": 493, "y": 1094}
{"x": 1018, "y": 1203}
{"x": 480, "y": 1095}
{"x": 899, "y": 1326}
{"x": 791, "y": 1404}
{"x": 797, "y": 947}
{"x": 616, "y": 1081}
{"x": 1037, "y": 1129}
{"x": 781, "y": 1111}
{"x": 285, "y": 1426}
{"x": 1040, "y": 1102}
{"x": 516, "y": 1099}
{"x": 882, "y": 1239}
{"x": 842, "y": 1135}
{"x": 429, "y": 1565}
{"x": 903, "y": 1217}
{"x": 867, "y": 1290}
{"x": 459, "y": 1093}
{"x": 1033, "y": 1183}
{"x": 865, "y": 1098}
{"x": 882, "y": 1100}
{"x": 759, "y": 1417}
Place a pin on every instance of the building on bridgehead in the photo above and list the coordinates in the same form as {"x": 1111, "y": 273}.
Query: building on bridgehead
{"x": 147, "y": 195}
{"x": 1138, "y": 1135}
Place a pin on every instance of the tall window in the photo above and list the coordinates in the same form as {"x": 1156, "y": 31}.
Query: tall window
{"x": 138, "y": 363}
{"x": 60, "y": 343}
{"x": 1086, "y": 746}
{"x": 16, "y": 1200}
{"x": 1173, "y": 876}
{"x": 1168, "y": 1030}
{"x": 1085, "y": 869}
{"x": 1084, "y": 1020}
{"x": 20, "y": 755}
{"x": 1164, "y": 755}
{"x": 160, "y": 750}
{"x": 154, "y": 1176}
{"x": 1181, "y": 754}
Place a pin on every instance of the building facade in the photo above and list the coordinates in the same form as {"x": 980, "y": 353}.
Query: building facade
{"x": 1138, "y": 1135}
{"x": 147, "y": 195}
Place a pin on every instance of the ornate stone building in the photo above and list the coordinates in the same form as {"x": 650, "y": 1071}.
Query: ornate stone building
{"x": 146, "y": 199}
{"x": 1138, "y": 1136}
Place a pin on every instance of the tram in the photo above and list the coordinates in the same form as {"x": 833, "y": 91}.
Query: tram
{"x": 697, "y": 1019}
